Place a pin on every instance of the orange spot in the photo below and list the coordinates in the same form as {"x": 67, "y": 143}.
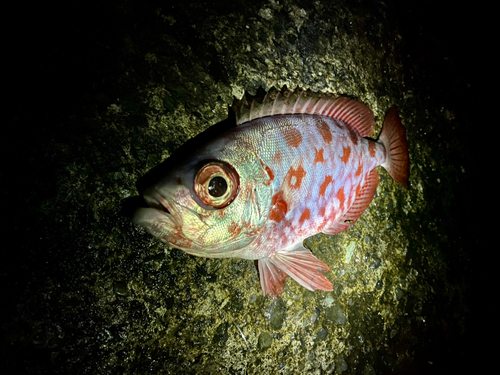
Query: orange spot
{"x": 234, "y": 229}
{"x": 324, "y": 185}
{"x": 322, "y": 211}
{"x": 324, "y": 130}
{"x": 294, "y": 177}
{"x": 372, "y": 147}
{"x": 292, "y": 136}
{"x": 279, "y": 207}
{"x": 341, "y": 196}
{"x": 360, "y": 169}
{"x": 347, "y": 152}
{"x": 318, "y": 157}
{"x": 353, "y": 135}
{"x": 306, "y": 215}
{"x": 270, "y": 173}
{"x": 250, "y": 230}
{"x": 358, "y": 190}
{"x": 277, "y": 158}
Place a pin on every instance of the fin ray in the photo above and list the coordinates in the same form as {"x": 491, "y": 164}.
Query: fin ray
{"x": 272, "y": 279}
{"x": 348, "y": 110}
{"x": 359, "y": 206}
{"x": 298, "y": 263}
{"x": 393, "y": 137}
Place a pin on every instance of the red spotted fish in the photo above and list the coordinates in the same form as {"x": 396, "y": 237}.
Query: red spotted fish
{"x": 296, "y": 165}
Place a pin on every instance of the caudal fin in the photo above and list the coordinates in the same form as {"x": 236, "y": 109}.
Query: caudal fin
{"x": 393, "y": 137}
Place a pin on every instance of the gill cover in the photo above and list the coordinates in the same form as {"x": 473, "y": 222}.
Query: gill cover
{"x": 215, "y": 203}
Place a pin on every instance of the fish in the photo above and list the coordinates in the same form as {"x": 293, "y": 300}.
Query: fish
{"x": 296, "y": 164}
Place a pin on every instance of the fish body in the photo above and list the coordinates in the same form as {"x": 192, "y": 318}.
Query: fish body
{"x": 295, "y": 166}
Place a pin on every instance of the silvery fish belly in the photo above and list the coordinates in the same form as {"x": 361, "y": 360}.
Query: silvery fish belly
{"x": 294, "y": 166}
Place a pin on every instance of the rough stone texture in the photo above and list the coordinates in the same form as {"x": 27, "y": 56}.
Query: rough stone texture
{"x": 107, "y": 92}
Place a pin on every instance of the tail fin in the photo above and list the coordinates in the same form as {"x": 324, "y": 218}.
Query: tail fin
{"x": 393, "y": 137}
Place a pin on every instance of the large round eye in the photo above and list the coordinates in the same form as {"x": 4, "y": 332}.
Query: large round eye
{"x": 216, "y": 184}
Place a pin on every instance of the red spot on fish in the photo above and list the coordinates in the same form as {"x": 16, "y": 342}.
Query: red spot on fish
{"x": 185, "y": 243}
{"x": 277, "y": 158}
{"x": 279, "y": 207}
{"x": 234, "y": 229}
{"x": 353, "y": 135}
{"x": 322, "y": 189}
{"x": 341, "y": 196}
{"x": 306, "y": 215}
{"x": 178, "y": 239}
{"x": 250, "y": 229}
{"x": 360, "y": 169}
{"x": 270, "y": 173}
{"x": 294, "y": 177}
{"x": 347, "y": 152}
{"x": 372, "y": 147}
{"x": 324, "y": 130}
{"x": 318, "y": 157}
{"x": 322, "y": 211}
{"x": 292, "y": 136}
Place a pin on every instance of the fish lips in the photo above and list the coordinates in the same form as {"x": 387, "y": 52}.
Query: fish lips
{"x": 160, "y": 214}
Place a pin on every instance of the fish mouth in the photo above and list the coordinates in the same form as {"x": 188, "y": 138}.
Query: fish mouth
{"x": 160, "y": 203}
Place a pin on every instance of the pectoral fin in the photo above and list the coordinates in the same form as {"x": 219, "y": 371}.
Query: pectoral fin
{"x": 298, "y": 263}
{"x": 272, "y": 279}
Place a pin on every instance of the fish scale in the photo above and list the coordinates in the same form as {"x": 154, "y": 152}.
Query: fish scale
{"x": 314, "y": 203}
{"x": 295, "y": 166}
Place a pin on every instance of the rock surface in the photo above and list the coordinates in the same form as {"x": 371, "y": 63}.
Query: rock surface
{"x": 110, "y": 91}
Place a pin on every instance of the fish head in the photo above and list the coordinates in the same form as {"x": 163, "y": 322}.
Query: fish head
{"x": 214, "y": 204}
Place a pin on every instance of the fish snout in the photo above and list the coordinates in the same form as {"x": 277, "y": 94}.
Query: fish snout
{"x": 160, "y": 202}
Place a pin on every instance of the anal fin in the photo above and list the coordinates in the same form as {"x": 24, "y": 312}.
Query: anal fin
{"x": 359, "y": 205}
{"x": 298, "y": 263}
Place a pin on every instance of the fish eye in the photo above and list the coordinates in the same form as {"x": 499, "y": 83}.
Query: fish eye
{"x": 217, "y": 184}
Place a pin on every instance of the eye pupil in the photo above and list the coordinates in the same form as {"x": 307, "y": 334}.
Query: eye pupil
{"x": 217, "y": 187}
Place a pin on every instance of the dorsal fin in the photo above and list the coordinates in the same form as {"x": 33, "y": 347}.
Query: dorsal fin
{"x": 352, "y": 112}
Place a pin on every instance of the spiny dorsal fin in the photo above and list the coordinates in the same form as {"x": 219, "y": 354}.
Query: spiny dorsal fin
{"x": 352, "y": 112}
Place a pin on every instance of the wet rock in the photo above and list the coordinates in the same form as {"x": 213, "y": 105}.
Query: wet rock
{"x": 277, "y": 314}
{"x": 221, "y": 334}
{"x": 333, "y": 314}
{"x": 321, "y": 335}
{"x": 120, "y": 288}
{"x": 265, "y": 341}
